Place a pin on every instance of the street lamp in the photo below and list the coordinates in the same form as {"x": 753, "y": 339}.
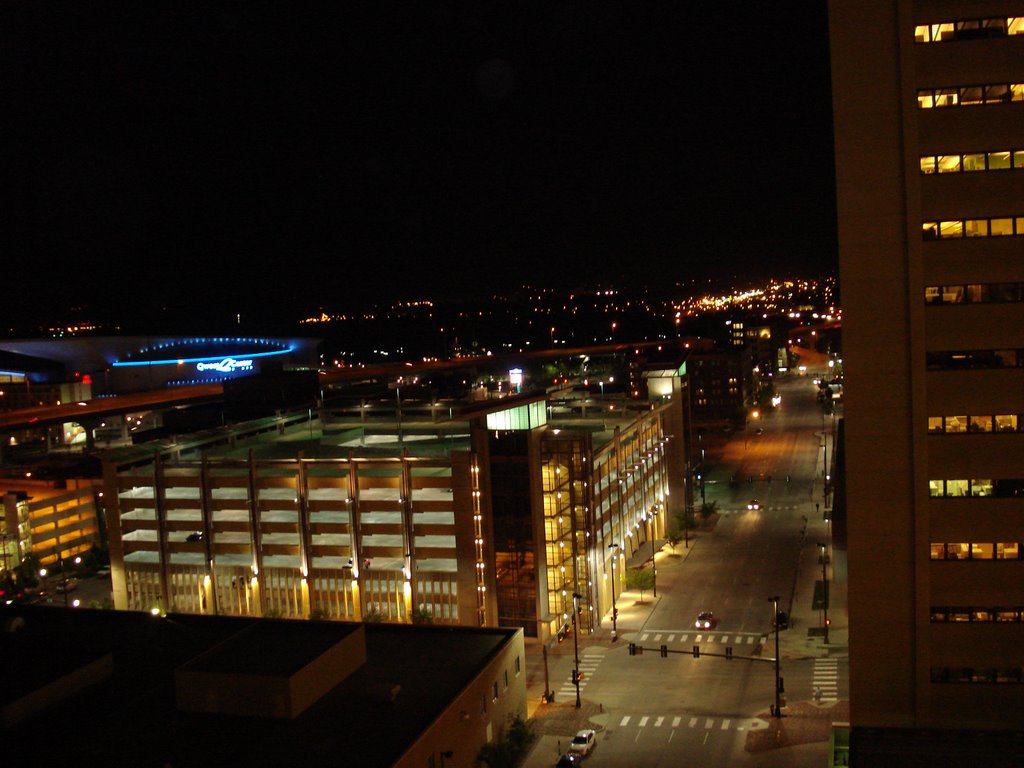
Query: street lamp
{"x": 824, "y": 586}
{"x": 576, "y": 596}
{"x": 615, "y": 611}
{"x": 777, "y": 712}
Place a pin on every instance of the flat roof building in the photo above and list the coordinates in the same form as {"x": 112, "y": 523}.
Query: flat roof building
{"x": 491, "y": 513}
{"x": 124, "y": 688}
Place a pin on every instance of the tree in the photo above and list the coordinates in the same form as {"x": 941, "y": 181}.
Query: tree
{"x": 512, "y": 749}
{"x": 708, "y": 508}
{"x": 641, "y": 579}
{"x": 673, "y": 535}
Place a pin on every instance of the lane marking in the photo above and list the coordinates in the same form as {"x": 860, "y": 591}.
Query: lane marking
{"x": 725, "y": 724}
{"x": 693, "y": 721}
{"x": 643, "y": 721}
{"x": 625, "y": 722}
{"x": 676, "y": 721}
{"x": 709, "y": 723}
{"x": 658, "y": 722}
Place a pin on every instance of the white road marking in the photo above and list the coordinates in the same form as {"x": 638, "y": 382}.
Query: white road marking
{"x": 676, "y": 721}
{"x": 643, "y": 721}
{"x": 725, "y": 724}
{"x": 625, "y": 722}
{"x": 658, "y": 722}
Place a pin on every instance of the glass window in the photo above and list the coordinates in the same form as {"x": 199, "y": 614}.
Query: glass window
{"x": 935, "y": 424}
{"x": 1018, "y": 159}
{"x": 972, "y": 94}
{"x": 921, "y": 34}
{"x": 938, "y": 551}
{"x": 1006, "y": 614}
{"x": 1015, "y": 25}
{"x": 956, "y": 424}
{"x": 1005, "y": 358}
{"x": 952, "y": 294}
{"x": 982, "y": 551}
{"x": 1019, "y": 225}
{"x": 935, "y": 488}
{"x": 947, "y": 97}
{"x": 998, "y": 160}
{"x": 983, "y": 676}
{"x": 932, "y": 294}
{"x": 928, "y": 165}
{"x": 930, "y": 230}
{"x": 957, "y": 551}
{"x": 959, "y": 614}
{"x": 1006, "y": 422}
{"x": 975, "y": 228}
{"x": 976, "y": 293}
{"x": 981, "y": 487}
{"x": 981, "y": 424}
{"x": 925, "y": 99}
{"x": 1010, "y": 675}
{"x": 948, "y": 163}
{"x": 1017, "y": 91}
{"x": 997, "y": 93}
{"x": 939, "y": 675}
{"x": 1007, "y": 550}
{"x": 1001, "y": 227}
{"x": 980, "y": 614}
{"x": 942, "y": 31}
{"x": 974, "y": 162}
{"x": 949, "y": 229}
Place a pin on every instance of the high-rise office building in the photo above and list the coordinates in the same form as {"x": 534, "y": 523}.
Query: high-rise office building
{"x": 928, "y": 103}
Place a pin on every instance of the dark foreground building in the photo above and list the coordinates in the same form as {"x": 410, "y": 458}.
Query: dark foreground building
{"x": 106, "y": 688}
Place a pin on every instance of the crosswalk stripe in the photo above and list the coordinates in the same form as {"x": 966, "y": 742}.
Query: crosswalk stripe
{"x": 643, "y": 637}
{"x": 657, "y": 637}
{"x": 693, "y": 721}
{"x": 709, "y": 722}
{"x": 725, "y": 639}
{"x": 697, "y": 638}
{"x": 682, "y": 638}
{"x": 750, "y": 641}
{"x": 658, "y": 722}
{"x": 643, "y": 721}
{"x": 676, "y": 721}
{"x": 671, "y": 638}
{"x": 625, "y": 722}
{"x": 725, "y": 724}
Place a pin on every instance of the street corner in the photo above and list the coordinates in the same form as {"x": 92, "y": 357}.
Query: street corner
{"x": 564, "y": 718}
{"x": 801, "y": 723}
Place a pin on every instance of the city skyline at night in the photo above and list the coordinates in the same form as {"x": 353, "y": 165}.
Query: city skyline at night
{"x": 251, "y": 160}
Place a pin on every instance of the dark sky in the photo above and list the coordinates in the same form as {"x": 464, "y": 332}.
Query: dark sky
{"x": 253, "y": 153}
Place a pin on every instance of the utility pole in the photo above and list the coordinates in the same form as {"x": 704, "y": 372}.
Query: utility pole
{"x": 575, "y": 646}
{"x": 778, "y": 679}
{"x": 615, "y": 610}
{"x": 824, "y": 585}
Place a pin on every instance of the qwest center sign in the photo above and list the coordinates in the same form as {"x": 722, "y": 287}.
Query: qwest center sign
{"x": 227, "y": 365}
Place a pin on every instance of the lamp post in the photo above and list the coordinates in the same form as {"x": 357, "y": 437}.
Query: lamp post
{"x": 824, "y": 586}
{"x": 615, "y": 611}
{"x": 576, "y": 646}
{"x": 654, "y": 562}
{"x": 777, "y": 712}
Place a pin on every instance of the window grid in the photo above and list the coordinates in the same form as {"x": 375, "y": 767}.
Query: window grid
{"x": 961, "y": 424}
{"x": 963, "y": 550}
{"x": 956, "y": 229}
{"x": 972, "y": 162}
{"x": 976, "y": 359}
{"x": 969, "y": 29}
{"x": 969, "y": 95}
{"x": 975, "y": 293}
{"x": 976, "y": 488}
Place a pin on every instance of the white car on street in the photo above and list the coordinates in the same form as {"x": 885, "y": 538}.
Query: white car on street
{"x": 583, "y": 742}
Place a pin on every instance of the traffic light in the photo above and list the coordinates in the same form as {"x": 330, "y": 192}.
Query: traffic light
{"x": 696, "y": 651}
{"x": 728, "y": 652}
{"x": 664, "y": 651}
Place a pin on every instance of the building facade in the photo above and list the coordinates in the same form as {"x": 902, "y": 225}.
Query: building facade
{"x": 508, "y": 520}
{"x": 928, "y": 108}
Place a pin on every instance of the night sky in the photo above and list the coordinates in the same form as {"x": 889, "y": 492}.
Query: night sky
{"x": 257, "y": 156}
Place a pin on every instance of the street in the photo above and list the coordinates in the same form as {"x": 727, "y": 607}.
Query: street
{"x": 716, "y": 711}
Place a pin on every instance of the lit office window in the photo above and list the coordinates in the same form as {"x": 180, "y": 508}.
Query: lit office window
{"x": 1007, "y": 550}
{"x": 981, "y": 424}
{"x": 969, "y": 29}
{"x": 983, "y": 551}
{"x": 1006, "y": 422}
{"x": 981, "y": 487}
